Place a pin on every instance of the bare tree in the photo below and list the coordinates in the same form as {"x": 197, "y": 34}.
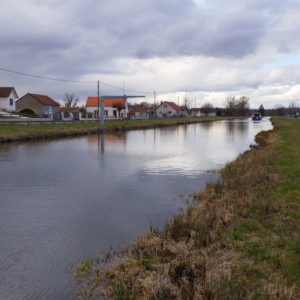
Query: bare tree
{"x": 243, "y": 105}
{"x": 207, "y": 108}
{"x": 292, "y": 109}
{"x": 70, "y": 100}
{"x": 280, "y": 110}
{"x": 237, "y": 106}
{"x": 119, "y": 107}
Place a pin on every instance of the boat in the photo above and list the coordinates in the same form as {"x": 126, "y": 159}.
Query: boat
{"x": 256, "y": 117}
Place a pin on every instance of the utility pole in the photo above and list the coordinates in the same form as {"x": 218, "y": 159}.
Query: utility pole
{"x": 98, "y": 95}
{"x": 154, "y": 97}
{"x": 102, "y": 110}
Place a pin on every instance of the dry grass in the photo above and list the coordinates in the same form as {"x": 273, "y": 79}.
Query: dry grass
{"x": 223, "y": 246}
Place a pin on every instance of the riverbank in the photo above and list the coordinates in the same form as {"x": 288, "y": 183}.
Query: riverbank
{"x": 18, "y": 132}
{"x": 237, "y": 239}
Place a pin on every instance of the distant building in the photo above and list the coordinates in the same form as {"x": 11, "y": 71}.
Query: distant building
{"x": 8, "y": 97}
{"x": 38, "y": 105}
{"x": 203, "y": 112}
{"x": 114, "y": 108}
{"x": 69, "y": 113}
{"x": 168, "y": 109}
{"x": 140, "y": 113}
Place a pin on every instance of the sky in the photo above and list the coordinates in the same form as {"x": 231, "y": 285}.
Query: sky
{"x": 205, "y": 50}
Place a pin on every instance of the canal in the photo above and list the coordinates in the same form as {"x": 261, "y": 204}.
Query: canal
{"x": 66, "y": 200}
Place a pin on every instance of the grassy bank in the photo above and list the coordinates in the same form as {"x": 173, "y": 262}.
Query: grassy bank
{"x": 238, "y": 239}
{"x": 21, "y": 132}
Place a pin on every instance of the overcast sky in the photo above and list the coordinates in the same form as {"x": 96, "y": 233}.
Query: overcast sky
{"x": 209, "y": 48}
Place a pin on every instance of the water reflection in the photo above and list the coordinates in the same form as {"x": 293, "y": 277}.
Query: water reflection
{"x": 62, "y": 201}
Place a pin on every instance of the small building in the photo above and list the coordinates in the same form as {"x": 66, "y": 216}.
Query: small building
{"x": 69, "y": 113}
{"x": 8, "y": 97}
{"x": 168, "y": 109}
{"x": 196, "y": 112}
{"x": 37, "y": 105}
{"x": 114, "y": 108}
{"x": 140, "y": 113}
{"x": 203, "y": 112}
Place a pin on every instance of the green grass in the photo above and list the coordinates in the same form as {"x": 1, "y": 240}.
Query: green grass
{"x": 19, "y": 132}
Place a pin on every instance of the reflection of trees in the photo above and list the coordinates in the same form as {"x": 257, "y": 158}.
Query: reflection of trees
{"x": 207, "y": 125}
{"x": 234, "y": 126}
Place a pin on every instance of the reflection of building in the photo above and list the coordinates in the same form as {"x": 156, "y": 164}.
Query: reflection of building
{"x": 169, "y": 109}
{"x": 114, "y": 108}
{"x": 108, "y": 139}
{"x": 39, "y": 105}
{"x": 8, "y": 97}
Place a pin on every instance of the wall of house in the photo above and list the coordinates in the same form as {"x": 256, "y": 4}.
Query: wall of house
{"x": 27, "y": 102}
{"x": 5, "y": 102}
{"x": 110, "y": 112}
{"x": 141, "y": 115}
{"x": 165, "y": 111}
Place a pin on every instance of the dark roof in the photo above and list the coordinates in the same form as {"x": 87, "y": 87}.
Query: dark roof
{"x": 45, "y": 100}
{"x": 68, "y": 109}
{"x": 5, "y": 91}
{"x": 141, "y": 109}
{"x": 174, "y": 105}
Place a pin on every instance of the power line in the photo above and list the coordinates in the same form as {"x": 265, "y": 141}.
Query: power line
{"x": 43, "y": 77}
{"x": 70, "y": 81}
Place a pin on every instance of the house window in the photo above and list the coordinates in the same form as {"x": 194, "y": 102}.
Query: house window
{"x": 106, "y": 113}
{"x": 11, "y": 101}
{"x": 169, "y": 112}
{"x": 165, "y": 106}
{"x": 160, "y": 112}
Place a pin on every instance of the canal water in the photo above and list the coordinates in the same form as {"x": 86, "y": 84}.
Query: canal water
{"x": 66, "y": 200}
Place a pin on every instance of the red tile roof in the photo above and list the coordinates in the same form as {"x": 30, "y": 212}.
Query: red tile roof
{"x": 174, "y": 105}
{"x": 45, "y": 100}
{"x": 93, "y": 101}
{"x": 5, "y": 91}
{"x": 68, "y": 109}
{"x": 141, "y": 109}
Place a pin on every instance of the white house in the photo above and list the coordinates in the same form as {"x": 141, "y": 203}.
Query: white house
{"x": 114, "y": 108}
{"x": 8, "y": 97}
{"x": 169, "y": 109}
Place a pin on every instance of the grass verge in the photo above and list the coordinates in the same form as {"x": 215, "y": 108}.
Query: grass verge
{"x": 237, "y": 239}
{"x": 21, "y": 132}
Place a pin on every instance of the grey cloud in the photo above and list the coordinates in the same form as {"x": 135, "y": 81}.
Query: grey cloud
{"x": 74, "y": 38}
